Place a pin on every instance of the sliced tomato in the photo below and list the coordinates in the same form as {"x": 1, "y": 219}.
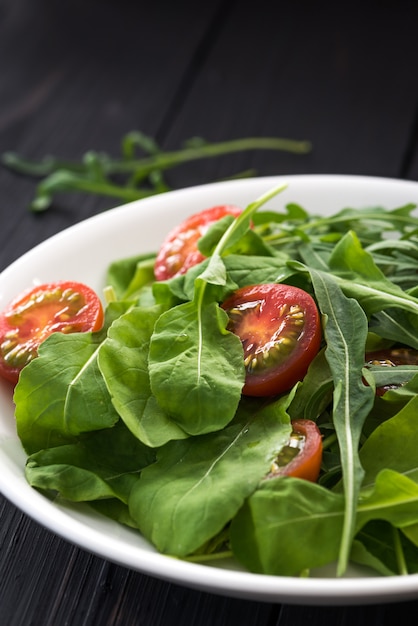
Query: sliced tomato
{"x": 279, "y": 326}
{"x": 301, "y": 457}
{"x": 179, "y": 250}
{"x": 390, "y": 357}
{"x": 64, "y": 306}
{"x": 393, "y": 356}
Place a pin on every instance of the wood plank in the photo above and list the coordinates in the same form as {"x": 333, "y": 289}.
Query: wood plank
{"x": 343, "y": 76}
{"x": 77, "y": 76}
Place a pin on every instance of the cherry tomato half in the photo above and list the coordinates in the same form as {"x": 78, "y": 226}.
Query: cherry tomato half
{"x": 179, "y": 250}
{"x": 64, "y": 306}
{"x": 391, "y": 357}
{"x": 280, "y": 330}
{"x": 302, "y": 456}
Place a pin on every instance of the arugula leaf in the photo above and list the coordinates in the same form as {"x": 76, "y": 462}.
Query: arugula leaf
{"x": 250, "y": 270}
{"x": 345, "y": 330}
{"x": 360, "y": 277}
{"x": 395, "y": 497}
{"x": 396, "y": 324}
{"x": 313, "y": 394}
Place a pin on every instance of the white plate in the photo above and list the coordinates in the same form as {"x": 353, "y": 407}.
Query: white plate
{"x": 83, "y": 252}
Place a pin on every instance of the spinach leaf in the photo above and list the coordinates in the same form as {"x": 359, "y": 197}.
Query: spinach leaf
{"x": 186, "y": 343}
{"x": 384, "y": 549}
{"x": 198, "y": 484}
{"x": 287, "y": 513}
{"x": 393, "y": 444}
{"x": 123, "y": 362}
{"x": 103, "y": 464}
{"x": 283, "y": 514}
{"x": 394, "y": 498}
{"x": 61, "y": 394}
{"x": 127, "y": 276}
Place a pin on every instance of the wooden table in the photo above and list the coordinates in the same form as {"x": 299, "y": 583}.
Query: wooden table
{"x": 79, "y": 75}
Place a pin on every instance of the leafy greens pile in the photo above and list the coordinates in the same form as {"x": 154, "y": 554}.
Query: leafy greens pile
{"x": 145, "y": 421}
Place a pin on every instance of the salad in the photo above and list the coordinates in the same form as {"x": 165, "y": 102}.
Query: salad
{"x": 250, "y": 390}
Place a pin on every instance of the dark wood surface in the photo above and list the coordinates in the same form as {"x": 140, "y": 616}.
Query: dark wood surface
{"x": 77, "y": 75}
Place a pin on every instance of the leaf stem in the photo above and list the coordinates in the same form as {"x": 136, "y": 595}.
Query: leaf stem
{"x": 166, "y": 160}
{"x": 400, "y": 557}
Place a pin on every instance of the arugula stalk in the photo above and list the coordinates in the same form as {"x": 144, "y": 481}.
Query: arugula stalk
{"x": 130, "y": 178}
{"x": 232, "y": 235}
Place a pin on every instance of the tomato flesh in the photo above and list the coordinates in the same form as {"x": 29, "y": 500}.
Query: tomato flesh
{"x": 63, "y": 306}
{"x": 179, "y": 251}
{"x": 279, "y": 327}
{"x": 304, "y": 450}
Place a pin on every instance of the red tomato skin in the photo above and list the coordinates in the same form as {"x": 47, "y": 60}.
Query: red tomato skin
{"x": 34, "y": 315}
{"x": 278, "y": 378}
{"x": 307, "y": 463}
{"x": 179, "y": 251}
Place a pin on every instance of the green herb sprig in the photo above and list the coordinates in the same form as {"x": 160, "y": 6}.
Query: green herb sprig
{"x": 131, "y": 177}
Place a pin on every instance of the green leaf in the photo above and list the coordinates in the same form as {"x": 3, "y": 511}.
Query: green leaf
{"x": 197, "y": 485}
{"x": 104, "y": 464}
{"x": 345, "y": 330}
{"x": 127, "y": 276}
{"x": 186, "y": 342}
{"x": 136, "y": 177}
{"x": 386, "y": 549}
{"x": 123, "y": 361}
{"x": 61, "y": 393}
{"x": 314, "y": 393}
{"x": 397, "y": 375}
{"x": 396, "y": 324}
{"x": 393, "y": 444}
{"x": 359, "y": 277}
{"x": 207, "y": 243}
{"x": 394, "y": 499}
{"x": 190, "y": 338}
{"x": 254, "y": 270}
{"x": 280, "y": 527}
